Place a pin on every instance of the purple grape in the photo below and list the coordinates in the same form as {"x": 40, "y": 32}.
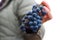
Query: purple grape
{"x": 34, "y": 14}
{"x": 38, "y": 17}
{"x": 26, "y": 17}
{"x": 44, "y": 13}
{"x": 34, "y": 19}
{"x": 30, "y": 17}
{"x": 35, "y": 22}
{"x": 34, "y": 11}
{"x": 41, "y": 7}
{"x": 29, "y": 13}
{"x": 30, "y": 23}
{"x": 34, "y": 7}
{"x": 39, "y": 22}
{"x": 31, "y": 27}
{"x": 38, "y": 10}
{"x": 22, "y": 28}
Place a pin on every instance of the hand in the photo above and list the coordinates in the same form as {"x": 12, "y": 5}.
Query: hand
{"x": 48, "y": 16}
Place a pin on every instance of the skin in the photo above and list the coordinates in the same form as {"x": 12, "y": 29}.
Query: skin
{"x": 48, "y": 16}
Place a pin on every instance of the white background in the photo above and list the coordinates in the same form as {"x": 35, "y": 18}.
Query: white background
{"x": 52, "y": 27}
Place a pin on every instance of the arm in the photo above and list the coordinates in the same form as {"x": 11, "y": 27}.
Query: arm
{"x": 48, "y": 16}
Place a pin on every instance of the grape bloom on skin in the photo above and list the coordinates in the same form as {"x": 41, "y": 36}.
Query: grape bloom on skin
{"x": 34, "y": 21}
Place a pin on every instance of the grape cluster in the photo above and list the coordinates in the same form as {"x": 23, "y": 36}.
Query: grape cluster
{"x": 32, "y": 21}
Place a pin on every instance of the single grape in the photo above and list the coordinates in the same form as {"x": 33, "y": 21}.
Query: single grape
{"x": 41, "y": 7}
{"x": 39, "y": 21}
{"x": 35, "y": 22}
{"x": 26, "y": 23}
{"x": 39, "y": 24}
{"x": 44, "y": 13}
{"x": 34, "y": 7}
{"x": 31, "y": 27}
{"x": 25, "y": 16}
{"x": 30, "y": 17}
{"x": 34, "y": 11}
{"x": 34, "y": 14}
{"x": 22, "y": 28}
{"x": 34, "y": 19}
{"x": 30, "y": 23}
{"x": 35, "y": 29}
{"x": 38, "y": 17}
{"x": 29, "y": 13}
{"x": 38, "y": 10}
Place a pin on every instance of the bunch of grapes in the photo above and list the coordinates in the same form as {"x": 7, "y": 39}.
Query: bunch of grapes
{"x": 31, "y": 22}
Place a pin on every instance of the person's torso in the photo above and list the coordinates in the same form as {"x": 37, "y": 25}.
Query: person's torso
{"x": 8, "y": 20}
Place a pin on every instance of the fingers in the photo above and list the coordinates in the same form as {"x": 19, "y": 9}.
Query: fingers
{"x": 45, "y": 4}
